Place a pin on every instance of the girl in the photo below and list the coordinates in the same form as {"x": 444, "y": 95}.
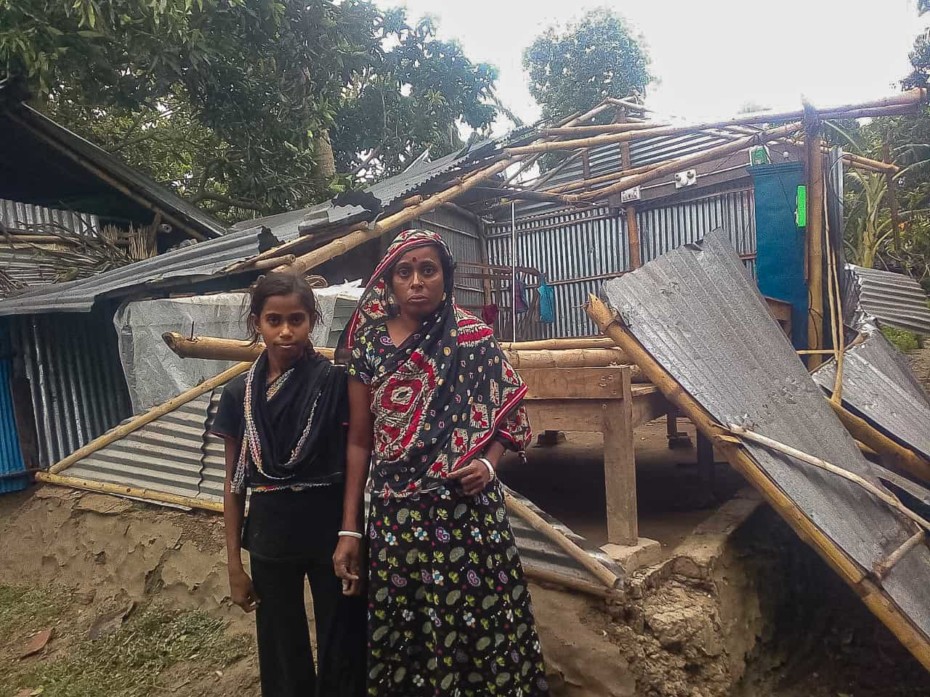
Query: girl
{"x": 283, "y": 423}
{"x": 433, "y": 398}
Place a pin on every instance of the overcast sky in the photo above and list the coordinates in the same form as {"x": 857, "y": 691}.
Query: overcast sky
{"x": 711, "y": 56}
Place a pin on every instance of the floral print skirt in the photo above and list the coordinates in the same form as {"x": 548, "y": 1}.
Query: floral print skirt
{"x": 449, "y": 608}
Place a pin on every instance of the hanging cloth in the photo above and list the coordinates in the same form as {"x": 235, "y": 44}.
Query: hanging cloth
{"x": 546, "y": 301}
{"x": 520, "y": 304}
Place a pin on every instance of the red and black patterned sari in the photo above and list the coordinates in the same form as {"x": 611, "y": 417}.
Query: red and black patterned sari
{"x": 449, "y": 608}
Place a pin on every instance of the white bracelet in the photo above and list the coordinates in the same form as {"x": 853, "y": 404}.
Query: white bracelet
{"x": 350, "y": 533}
{"x": 487, "y": 463}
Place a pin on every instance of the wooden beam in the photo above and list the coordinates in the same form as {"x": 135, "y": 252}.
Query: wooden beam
{"x": 575, "y": 383}
{"x": 815, "y": 239}
{"x": 620, "y": 468}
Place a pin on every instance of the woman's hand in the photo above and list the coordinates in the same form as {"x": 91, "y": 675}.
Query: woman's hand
{"x": 347, "y": 563}
{"x": 473, "y": 477}
{"x": 241, "y": 590}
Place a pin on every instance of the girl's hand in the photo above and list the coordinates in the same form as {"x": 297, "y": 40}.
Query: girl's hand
{"x": 473, "y": 477}
{"x": 347, "y": 563}
{"x": 241, "y": 590}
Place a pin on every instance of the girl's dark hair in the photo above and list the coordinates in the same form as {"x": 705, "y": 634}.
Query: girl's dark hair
{"x": 279, "y": 283}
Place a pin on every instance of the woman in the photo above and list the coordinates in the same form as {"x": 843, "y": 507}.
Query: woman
{"x": 283, "y": 424}
{"x": 432, "y": 397}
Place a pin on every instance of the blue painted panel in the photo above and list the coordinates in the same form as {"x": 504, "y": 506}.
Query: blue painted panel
{"x": 780, "y": 243}
{"x": 11, "y": 457}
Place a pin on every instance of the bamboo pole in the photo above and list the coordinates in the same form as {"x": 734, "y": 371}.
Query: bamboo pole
{"x": 567, "y": 358}
{"x": 261, "y": 265}
{"x": 539, "y": 524}
{"x": 602, "y": 179}
{"x": 541, "y": 575}
{"x": 907, "y": 99}
{"x": 894, "y": 453}
{"x": 815, "y": 238}
{"x": 558, "y": 344}
{"x": 873, "y": 596}
{"x": 883, "y": 568}
{"x": 690, "y": 161}
{"x": 214, "y": 348}
{"x": 820, "y": 463}
{"x": 342, "y": 245}
{"x": 148, "y": 417}
{"x": 581, "y": 131}
{"x": 133, "y": 492}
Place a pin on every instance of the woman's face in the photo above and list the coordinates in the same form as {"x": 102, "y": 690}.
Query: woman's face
{"x": 418, "y": 282}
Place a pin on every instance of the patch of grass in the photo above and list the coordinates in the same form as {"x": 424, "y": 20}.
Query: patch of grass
{"x": 903, "y": 340}
{"x": 129, "y": 662}
{"x": 31, "y": 608}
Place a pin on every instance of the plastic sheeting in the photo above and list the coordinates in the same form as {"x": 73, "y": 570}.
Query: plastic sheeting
{"x": 155, "y": 374}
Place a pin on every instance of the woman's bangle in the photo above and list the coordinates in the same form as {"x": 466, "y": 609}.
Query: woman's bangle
{"x": 487, "y": 463}
{"x": 350, "y": 533}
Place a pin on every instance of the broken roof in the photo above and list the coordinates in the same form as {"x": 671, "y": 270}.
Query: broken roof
{"x": 45, "y": 164}
{"x": 880, "y": 387}
{"x": 894, "y": 299}
{"x": 701, "y": 319}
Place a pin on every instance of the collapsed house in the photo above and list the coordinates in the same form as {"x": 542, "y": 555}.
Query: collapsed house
{"x": 612, "y": 213}
{"x": 59, "y": 193}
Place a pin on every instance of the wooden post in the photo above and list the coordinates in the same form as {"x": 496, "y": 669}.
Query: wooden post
{"x": 815, "y": 193}
{"x": 632, "y": 228}
{"x": 134, "y": 492}
{"x": 871, "y": 594}
{"x": 620, "y": 469}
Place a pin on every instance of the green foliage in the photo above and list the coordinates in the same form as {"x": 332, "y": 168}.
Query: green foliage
{"x": 412, "y": 99}
{"x": 903, "y": 340}
{"x": 575, "y": 69}
{"x": 226, "y": 99}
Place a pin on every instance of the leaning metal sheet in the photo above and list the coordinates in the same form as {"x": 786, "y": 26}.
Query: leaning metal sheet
{"x": 699, "y": 315}
{"x": 878, "y": 386}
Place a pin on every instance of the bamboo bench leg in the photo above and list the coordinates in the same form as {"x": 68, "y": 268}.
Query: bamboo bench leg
{"x": 620, "y": 473}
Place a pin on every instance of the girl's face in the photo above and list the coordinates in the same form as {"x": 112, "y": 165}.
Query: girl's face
{"x": 285, "y": 326}
{"x": 418, "y": 282}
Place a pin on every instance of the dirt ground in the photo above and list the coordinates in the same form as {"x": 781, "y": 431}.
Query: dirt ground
{"x": 135, "y": 595}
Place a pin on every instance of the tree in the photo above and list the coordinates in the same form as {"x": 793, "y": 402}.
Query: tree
{"x": 575, "y": 69}
{"x": 229, "y": 101}
{"x": 412, "y": 99}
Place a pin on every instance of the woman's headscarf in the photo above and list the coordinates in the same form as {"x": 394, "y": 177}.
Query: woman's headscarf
{"x": 440, "y": 398}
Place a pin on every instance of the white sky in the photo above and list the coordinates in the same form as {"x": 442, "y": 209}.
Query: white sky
{"x": 711, "y": 56}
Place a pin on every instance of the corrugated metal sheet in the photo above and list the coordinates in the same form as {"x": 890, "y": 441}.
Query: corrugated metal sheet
{"x": 578, "y": 250}
{"x": 399, "y": 186}
{"x": 879, "y": 386}
{"x": 568, "y": 248}
{"x": 195, "y": 261}
{"x": 74, "y": 373}
{"x": 669, "y": 227}
{"x": 164, "y": 455}
{"x": 11, "y": 457}
{"x": 895, "y": 300}
{"x": 698, "y": 314}
{"x": 647, "y": 152}
{"x": 20, "y": 261}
